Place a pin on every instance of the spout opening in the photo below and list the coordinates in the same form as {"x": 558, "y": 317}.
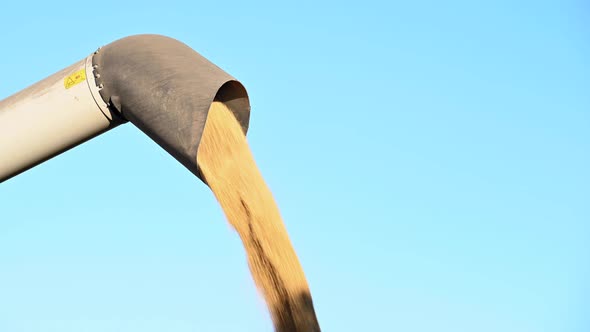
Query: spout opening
{"x": 234, "y": 95}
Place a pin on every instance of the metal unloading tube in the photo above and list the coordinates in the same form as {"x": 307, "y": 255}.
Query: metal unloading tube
{"x": 50, "y": 117}
{"x": 157, "y": 83}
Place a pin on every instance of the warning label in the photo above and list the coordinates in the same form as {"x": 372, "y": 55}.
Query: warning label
{"x": 75, "y": 78}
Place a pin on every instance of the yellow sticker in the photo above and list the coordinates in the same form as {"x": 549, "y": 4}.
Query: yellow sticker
{"x": 75, "y": 78}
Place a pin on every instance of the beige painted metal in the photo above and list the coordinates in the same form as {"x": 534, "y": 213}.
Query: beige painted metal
{"x": 50, "y": 117}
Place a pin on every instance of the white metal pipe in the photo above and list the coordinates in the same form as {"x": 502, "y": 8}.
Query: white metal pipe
{"x": 50, "y": 117}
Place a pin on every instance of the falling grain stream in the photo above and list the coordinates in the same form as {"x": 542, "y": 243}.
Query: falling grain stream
{"x": 229, "y": 169}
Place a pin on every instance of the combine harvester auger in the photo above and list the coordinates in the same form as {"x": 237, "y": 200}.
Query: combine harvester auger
{"x": 157, "y": 83}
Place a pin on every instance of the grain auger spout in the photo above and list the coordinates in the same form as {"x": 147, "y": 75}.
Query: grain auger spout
{"x": 157, "y": 83}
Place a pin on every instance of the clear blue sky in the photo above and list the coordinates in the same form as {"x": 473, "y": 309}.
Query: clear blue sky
{"x": 430, "y": 159}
